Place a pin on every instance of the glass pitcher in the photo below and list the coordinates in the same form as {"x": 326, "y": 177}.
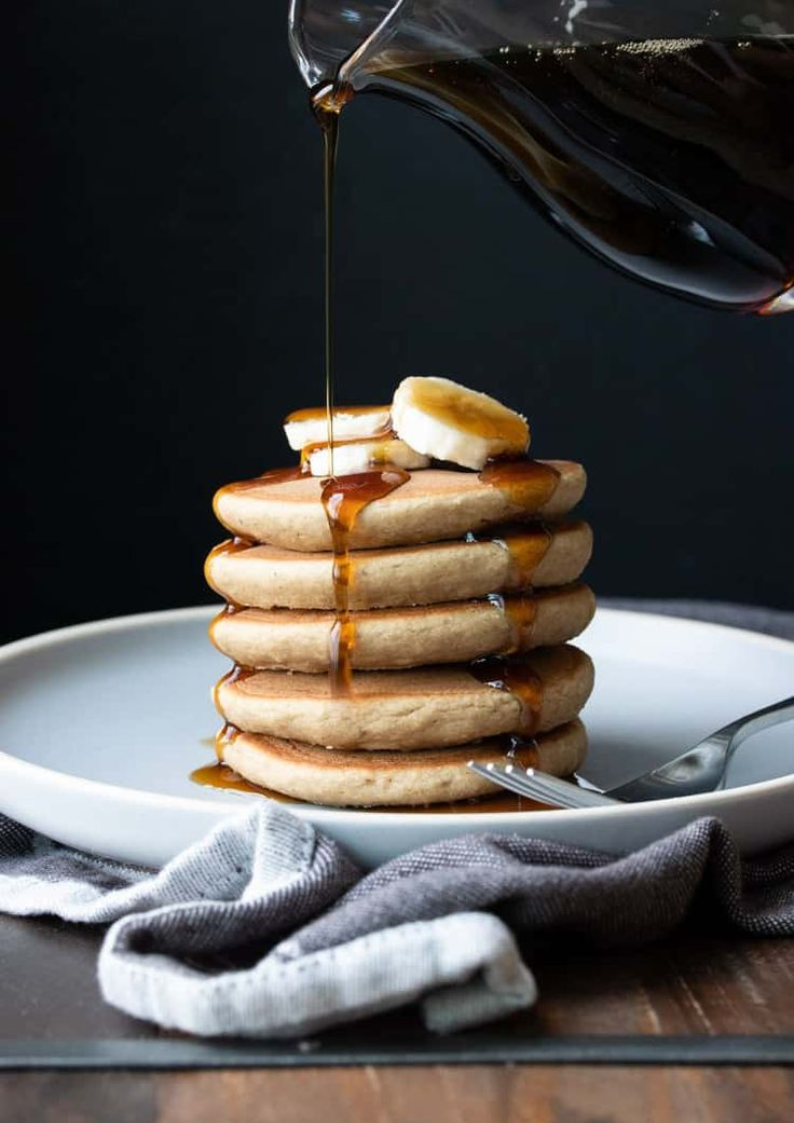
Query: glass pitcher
{"x": 659, "y": 136}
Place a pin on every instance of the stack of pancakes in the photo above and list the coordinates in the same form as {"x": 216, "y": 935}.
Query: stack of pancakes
{"x": 462, "y": 595}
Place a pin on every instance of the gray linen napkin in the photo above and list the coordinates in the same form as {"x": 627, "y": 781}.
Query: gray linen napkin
{"x": 435, "y": 925}
{"x": 329, "y": 945}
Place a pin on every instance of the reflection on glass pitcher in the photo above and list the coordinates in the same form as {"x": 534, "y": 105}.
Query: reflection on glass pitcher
{"x": 658, "y": 136}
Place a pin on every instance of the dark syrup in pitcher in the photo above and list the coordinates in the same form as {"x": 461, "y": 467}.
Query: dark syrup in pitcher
{"x": 672, "y": 160}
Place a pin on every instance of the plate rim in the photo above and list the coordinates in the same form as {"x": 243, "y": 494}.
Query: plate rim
{"x": 320, "y": 815}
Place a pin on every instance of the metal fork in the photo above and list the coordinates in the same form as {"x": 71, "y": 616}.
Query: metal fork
{"x": 703, "y": 768}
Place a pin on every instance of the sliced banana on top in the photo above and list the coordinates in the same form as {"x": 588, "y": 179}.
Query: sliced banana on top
{"x": 429, "y": 417}
{"x": 362, "y": 455}
{"x": 310, "y": 426}
{"x": 447, "y": 421}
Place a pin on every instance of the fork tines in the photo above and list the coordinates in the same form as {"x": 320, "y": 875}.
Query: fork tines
{"x": 541, "y": 786}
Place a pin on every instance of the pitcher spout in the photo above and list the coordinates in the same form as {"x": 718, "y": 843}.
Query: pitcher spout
{"x": 332, "y": 42}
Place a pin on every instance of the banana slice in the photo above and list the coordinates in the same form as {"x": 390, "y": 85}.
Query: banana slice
{"x": 310, "y": 426}
{"x": 450, "y": 422}
{"x": 362, "y": 455}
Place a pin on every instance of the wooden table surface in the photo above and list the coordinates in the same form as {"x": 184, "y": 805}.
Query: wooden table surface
{"x": 695, "y": 985}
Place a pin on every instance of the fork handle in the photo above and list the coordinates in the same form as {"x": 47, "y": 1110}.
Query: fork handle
{"x": 765, "y": 718}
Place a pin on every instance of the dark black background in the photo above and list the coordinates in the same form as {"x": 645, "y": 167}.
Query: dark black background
{"x": 169, "y": 229}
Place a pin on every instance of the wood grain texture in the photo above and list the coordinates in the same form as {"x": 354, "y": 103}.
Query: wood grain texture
{"x": 691, "y": 984}
{"x": 474, "y": 1094}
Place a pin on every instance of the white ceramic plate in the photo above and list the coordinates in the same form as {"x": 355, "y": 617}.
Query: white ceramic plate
{"x": 102, "y": 724}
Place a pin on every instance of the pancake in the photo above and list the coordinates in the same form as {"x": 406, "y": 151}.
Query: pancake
{"x": 389, "y": 638}
{"x": 430, "y": 707}
{"x": 310, "y": 772}
{"x": 433, "y": 505}
{"x": 271, "y": 577}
